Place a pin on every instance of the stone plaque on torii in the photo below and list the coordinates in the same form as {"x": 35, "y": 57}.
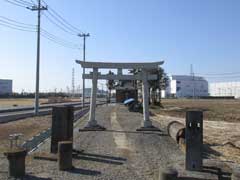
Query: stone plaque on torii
{"x": 144, "y": 76}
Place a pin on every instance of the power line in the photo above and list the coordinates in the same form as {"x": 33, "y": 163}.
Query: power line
{"x": 17, "y": 22}
{"x": 223, "y": 77}
{"x": 61, "y": 20}
{"x": 18, "y": 26}
{"x": 62, "y": 23}
{"x": 58, "y": 40}
{"x": 23, "y": 2}
{"x": 32, "y": 2}
{"x": 16, "y": 4}
{"x": 58, "y": 25}
{"x": 221, "y": 74}
{"x": 15, "y": 28}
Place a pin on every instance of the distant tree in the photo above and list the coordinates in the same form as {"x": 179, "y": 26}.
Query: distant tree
{"x": 157, "y": 85}
{"x": 135, "y": 72}
{"x": 110, "y": 86}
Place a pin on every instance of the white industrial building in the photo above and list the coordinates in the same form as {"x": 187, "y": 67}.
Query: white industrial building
{"x": 5, "y": 86}
{"x": 183, "y": 86}
{"x": 225, "y": 89}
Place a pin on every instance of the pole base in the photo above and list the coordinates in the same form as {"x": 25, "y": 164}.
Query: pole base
{"x": 93, "y": 128}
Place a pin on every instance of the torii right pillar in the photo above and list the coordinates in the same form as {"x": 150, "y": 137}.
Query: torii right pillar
{"x": 147, "y": 123}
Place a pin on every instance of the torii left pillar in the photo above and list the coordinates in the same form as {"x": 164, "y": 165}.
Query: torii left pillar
{"x": 92, "y": 123}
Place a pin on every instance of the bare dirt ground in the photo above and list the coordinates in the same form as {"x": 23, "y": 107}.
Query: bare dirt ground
{"x": 214, "y": 110}
{"x": 221, "y": 124}
{"x": 17, "y": 102}
{"x": 28, "y": 127}
{"x": 13, "y": 102}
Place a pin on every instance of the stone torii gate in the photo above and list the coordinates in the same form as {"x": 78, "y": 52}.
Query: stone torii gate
{"x": 143, "y": 75}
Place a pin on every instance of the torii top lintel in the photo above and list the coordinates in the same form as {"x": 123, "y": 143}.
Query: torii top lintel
{"x": 109, "y": 65}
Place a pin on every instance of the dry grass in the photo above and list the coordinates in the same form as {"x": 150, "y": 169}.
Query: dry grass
{"x": 11, "y": 102}
{"x": 28, "y": 127}
{"x": 214, "y": 110}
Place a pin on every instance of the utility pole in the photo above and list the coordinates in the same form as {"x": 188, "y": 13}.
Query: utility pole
{"x": 38, "y": 8}
{"x": 193, "y": 78}
{"x": 84, "y": 58}
{"x": 73, "y": 82}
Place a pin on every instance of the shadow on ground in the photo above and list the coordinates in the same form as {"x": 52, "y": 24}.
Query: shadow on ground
{"x": 208, "y": 151}
{"x": 218, "y": 171}
{"x": 30, "y": 177}
{"x": 100, "y": 158}
{"x": 84, "y": 171}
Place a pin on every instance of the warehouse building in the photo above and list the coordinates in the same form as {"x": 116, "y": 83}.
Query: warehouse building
{"x": 5, "y": 86}
{"x": 184, "y": 86}
{"x": 222, "y": 89}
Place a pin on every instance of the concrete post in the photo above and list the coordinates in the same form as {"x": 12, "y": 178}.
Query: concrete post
{"x": 62, "y": 125}
{"x": 16, "y": 159}
{"x": 92, "y": 121}
{"x": 145, "y": 90}
{"x": 168, "y": 174}
{"x": 65, "y": 155}
{"x": 194, "y": 140}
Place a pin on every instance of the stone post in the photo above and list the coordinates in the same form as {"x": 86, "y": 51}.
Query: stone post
{"x": 16, "y": 159}
{"x": 62, "y": 125}
{"x": 65, "y": 155}
{"x": 145, "y": 90}
{"x": 194, "y": 140}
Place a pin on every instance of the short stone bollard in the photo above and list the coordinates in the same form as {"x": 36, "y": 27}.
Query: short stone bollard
{"x": 168, "y": 174}
{"x": 194, "y": 140}
{"x": 62, "y": 125}
{"x": 65, "y": 155}
{"x": 16, "y": 159}
{"x": 236, "y": 174}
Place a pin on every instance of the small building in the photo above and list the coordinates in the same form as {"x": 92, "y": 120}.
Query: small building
{"x": 125, "y": 90}
{"x": 5, "y": 86}
{"x": 224, "y": 89}
{"x": 185, "y": 86}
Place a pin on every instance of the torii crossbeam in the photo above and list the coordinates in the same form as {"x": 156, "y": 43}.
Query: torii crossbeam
{"x": 144, "y": 76}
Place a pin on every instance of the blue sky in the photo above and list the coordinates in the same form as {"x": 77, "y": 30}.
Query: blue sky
{"x": 204, "y": 33}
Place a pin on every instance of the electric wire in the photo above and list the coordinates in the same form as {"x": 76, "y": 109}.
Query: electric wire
{"x": 58, "y": 39}
{"x": 15, "y": 28}
{"x": 221, "y": 74}
{"x": 16, "y": 23}
{"x": 61, "y": 20}
{"x": 62, "y": 23}
{"x": 62, "y": 28}
{"x": 56, "y": 19}
{"x": 23, "y": 2}
{"x": 44, "y": 33}
{"x": 16, "y": 4}
{"x": 56, "y": 42}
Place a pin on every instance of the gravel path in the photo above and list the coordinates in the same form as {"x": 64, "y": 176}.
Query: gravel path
{"x": 118, "y": 153}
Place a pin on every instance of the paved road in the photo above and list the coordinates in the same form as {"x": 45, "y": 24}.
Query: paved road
{"x": 20, "y": 113}
{"x": 119, "y": 153}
